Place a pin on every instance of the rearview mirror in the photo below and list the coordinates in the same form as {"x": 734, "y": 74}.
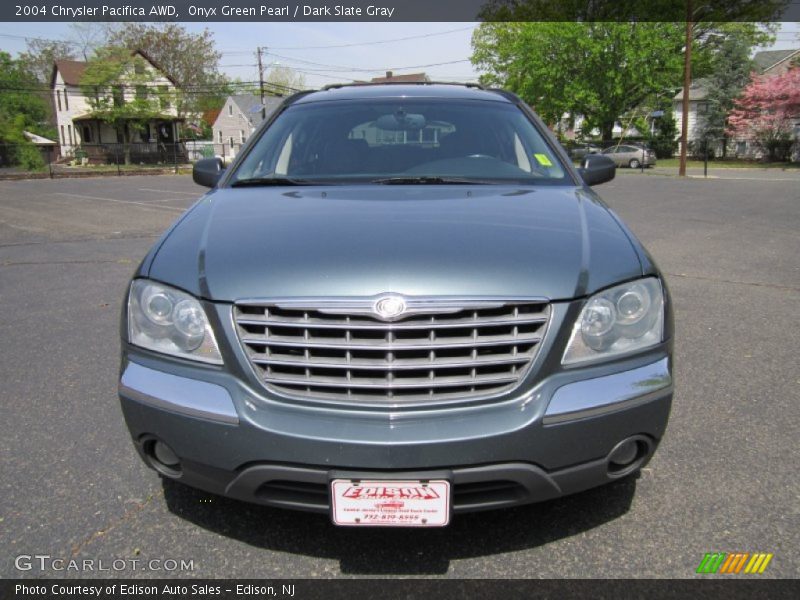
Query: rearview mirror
{"x": 597, "y": 168}
{"x": 207, "y": 172}
{"x": 401, "y": 121}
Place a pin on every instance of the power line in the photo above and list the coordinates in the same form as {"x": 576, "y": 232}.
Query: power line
{"x": 350, "y": 69}
{"x": 355, "y": 44}
{"x": 390, "y": 41}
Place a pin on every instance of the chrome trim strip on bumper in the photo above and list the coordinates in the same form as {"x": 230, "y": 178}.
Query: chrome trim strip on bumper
{"x": 592, "y": 397}
{"x": 178, "y": 394}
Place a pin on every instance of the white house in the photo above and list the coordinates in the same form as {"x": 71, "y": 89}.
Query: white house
{"x": 77, "y": 129}
{"x": 698, "y": 107}
{"x": 239, "y": 118}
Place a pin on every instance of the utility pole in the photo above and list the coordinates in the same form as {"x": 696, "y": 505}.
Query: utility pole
{"x": 687, "y": 84}
{"x": 261, "y": 83}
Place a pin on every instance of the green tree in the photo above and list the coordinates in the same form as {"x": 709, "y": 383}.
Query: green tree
{"x": 284, "y": 80}
{"x": 190, "y": 58}
{"x": 628, "y": 11}
{"x": 80, "y": 42}
{"x": 663, "y": 136}
{"x": 730, "y": 73}
{"x": 41, "y": 55}
{"x": 597, "y": 69}
{"x": 21, "y": 109}
{"x": 121, "y": 90}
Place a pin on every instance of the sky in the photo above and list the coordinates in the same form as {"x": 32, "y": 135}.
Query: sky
{"x": 296, "y": 45}
{"x": 289, "y": 44}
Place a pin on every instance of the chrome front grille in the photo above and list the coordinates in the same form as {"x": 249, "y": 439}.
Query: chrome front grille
{"x": 440, "y": 349}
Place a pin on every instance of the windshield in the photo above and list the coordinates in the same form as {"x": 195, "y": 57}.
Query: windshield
{"x": 401, "y": 141}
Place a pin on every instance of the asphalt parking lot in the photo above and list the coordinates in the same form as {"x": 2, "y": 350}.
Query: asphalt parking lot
{"x": 724, "y": 478}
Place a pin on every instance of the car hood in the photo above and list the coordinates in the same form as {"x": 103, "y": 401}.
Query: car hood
{"x": 551, "y": 241}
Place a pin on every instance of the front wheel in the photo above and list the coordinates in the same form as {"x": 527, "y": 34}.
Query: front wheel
{"x": 634, "y": 164}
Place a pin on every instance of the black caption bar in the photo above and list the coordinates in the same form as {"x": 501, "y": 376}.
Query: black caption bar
{"x": 399, "y": 10}
{"x": 429, "y": 589}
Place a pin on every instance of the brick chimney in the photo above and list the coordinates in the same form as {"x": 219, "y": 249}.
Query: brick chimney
{"x": 389, "y": 74}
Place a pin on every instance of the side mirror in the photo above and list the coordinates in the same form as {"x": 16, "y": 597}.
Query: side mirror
{"x": 207, "y": 172}
{"x": 597, "y": 169}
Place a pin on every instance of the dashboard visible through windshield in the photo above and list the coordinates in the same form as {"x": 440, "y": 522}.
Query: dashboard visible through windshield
{"x": 401, "y": 141}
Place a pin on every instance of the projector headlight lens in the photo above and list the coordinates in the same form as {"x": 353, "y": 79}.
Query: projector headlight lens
{"x": 618, "y": 320}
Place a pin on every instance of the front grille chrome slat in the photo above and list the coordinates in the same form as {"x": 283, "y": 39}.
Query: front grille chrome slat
{"x": 426, "y": 363}
{"x": 451, "y": 324}
{"x": 353, "y": 344}
{"x": 390, "y": 383}
{"x": 468, "y": 349}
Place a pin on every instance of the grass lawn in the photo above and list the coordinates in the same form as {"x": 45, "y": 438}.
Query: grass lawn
{"x": 729, "y": 163}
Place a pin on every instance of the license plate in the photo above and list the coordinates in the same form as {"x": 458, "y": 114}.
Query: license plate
{"x": 390, "y": 503}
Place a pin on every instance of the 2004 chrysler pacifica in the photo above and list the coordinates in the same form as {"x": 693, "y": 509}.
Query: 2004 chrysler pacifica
{"x": 399, "y": 302}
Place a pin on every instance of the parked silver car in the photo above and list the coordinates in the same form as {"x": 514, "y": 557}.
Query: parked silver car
{"x": 627, "y": 155}
{"x": 577, "y": 150}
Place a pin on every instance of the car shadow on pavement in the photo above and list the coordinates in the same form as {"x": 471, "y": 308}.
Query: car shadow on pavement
{"x": 382, "y": 551}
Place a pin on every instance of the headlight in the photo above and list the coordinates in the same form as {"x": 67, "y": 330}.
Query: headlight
{"x": 167, "y": 320}
{"x": 616, "y": 321}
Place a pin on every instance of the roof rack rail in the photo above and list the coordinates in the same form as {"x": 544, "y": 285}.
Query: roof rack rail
{"x": 297, "y": 95}
{"x": 336, "y": 86}
{"x": 504, "y": 93}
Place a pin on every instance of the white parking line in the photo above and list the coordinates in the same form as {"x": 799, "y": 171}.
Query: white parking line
{"x": 753, "y": 178}
{"x": 195, "y": 194}
{"x": 143, "y": 204}
{"x": 157, "y": 200}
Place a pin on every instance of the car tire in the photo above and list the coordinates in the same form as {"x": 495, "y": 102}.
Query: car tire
{"x": 634, "y": 164}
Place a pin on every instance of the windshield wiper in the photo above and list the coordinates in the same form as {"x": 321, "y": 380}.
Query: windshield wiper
{"x": 267, "y": 181}
{"x": 427, "y": 180}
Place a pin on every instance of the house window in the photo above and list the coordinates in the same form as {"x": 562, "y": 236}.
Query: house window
{"x": 66, "y": 100}
{"x": 63, "y": 137}
{"x": 138, "y": 67}
{"x": 230, "y": 140}
{"x": 242, "y": 138}
{"x": 219, "y": 136}
{"x": 230, "y": 110}
{"x": 86, "y": 134}
{"x": 119, "y": 95}
{"x": 141, "y": 92}
{"x": 69, "y": 130}
{"x": 58, "y": 95}
{"x": 163, "y": 97}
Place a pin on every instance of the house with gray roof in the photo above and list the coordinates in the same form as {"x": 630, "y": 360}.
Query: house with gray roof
{"x": 239, "y": 118}
{"x": 776, "y": 62}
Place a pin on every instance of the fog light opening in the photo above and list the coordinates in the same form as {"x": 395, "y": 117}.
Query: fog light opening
{"x": 162, "y": 458}
{"x": 628, "y": 456}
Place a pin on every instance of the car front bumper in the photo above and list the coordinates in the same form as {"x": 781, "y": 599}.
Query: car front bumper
{"x": 555, "y": 438}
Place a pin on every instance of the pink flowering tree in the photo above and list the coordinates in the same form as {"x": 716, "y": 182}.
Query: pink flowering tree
{"x": 767, "y": 113}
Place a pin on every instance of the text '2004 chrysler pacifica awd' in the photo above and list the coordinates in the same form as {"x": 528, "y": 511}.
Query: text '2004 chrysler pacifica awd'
{"x": 398, "y": 303}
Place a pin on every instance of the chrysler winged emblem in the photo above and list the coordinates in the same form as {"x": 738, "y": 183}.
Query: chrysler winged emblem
{"x": 390, "y": 307}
